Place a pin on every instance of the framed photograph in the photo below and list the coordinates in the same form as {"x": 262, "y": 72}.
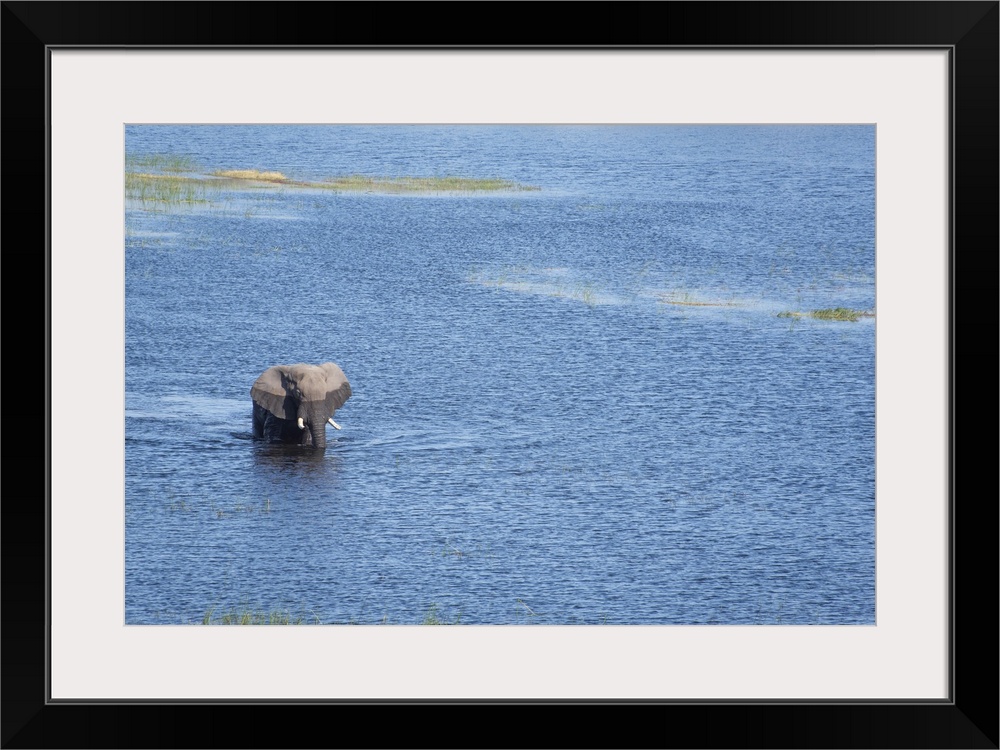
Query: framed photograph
{"x": 510, "y": 372}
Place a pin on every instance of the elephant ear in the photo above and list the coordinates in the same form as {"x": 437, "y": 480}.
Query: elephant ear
{"x": 338, "y": 390}
{"x": 269, "y": 392}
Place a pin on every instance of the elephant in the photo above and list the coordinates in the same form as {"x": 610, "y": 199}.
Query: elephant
{"x": 294, "y": 403}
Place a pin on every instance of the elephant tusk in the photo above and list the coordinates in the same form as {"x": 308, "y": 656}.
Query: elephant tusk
{"x": 335, "y": 425}
{"x": 302, "y": 424}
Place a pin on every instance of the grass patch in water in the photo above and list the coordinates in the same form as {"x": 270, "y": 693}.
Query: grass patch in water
{"x": 367, "y": 184}
{"x": 582, "y": 292}
{"x": 686, "y": 300}
{"x": 246, "y": 616}
{"x": 357, "y": 183}
{"x": 146, "y": 187}
{"x": 160, "y": 163}
{"x": 434, "y": 618}
{"x": 847, "y": 314}
{"x": 145, "y": 182}
{"x": 154, "y": 178}
{"x": 586, "y": 293}
{"x": 155, "y": 182}
{"x": 253, "y": 175}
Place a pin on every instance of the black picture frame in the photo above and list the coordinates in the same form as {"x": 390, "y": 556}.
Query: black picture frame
{"x": 968, "y": 30}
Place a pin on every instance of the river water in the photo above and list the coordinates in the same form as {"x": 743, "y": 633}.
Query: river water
{"x": 575, "y": 404}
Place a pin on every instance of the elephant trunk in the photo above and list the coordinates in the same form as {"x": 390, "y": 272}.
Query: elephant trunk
{"x": 311, "y": 418}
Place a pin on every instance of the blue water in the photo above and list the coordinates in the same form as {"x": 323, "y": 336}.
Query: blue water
{"x": 571, "y": 405}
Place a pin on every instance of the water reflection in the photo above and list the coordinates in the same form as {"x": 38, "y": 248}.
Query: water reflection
{"x": 281, "y": 458}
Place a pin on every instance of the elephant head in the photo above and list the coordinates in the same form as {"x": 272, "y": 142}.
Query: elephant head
{"x": 293, "y": 403}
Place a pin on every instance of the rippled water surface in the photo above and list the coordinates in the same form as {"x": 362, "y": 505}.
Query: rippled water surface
{"x": 572, "y": 405}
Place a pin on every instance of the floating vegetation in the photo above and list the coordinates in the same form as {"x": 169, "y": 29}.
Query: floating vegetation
{"x": 831, "y": 313}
